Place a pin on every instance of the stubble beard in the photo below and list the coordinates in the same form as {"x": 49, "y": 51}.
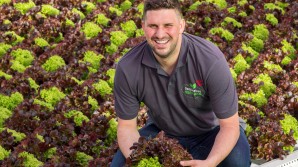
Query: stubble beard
{"x": 166, "y": 54}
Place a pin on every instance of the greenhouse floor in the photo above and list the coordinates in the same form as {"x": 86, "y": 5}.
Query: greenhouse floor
{"x": 289, "y": 161}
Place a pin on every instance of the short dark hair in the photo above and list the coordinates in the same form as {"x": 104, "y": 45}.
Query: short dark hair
{"x": 161, "y": 4}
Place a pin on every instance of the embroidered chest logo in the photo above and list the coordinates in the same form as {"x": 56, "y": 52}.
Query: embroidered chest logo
{"x": 194, "y": 90}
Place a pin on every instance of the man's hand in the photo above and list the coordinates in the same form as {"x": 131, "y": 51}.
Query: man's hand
{"x": 196, "y": 163}
{"x": 224, "y": 142}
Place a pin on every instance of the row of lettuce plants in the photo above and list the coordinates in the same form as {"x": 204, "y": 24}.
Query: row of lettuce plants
{"x": 57, "y": 64}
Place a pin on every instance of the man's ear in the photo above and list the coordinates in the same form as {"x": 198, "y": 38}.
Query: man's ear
{"x": 143, "y": 24}
{"x": 182, "y": 26}
{"x": 143, "y": 21}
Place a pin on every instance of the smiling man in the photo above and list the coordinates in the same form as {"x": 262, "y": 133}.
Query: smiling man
{"x": 185, "y": 82}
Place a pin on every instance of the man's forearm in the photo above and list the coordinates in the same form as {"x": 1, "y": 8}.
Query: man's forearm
{"x": 225, "y": 141}
{"x": 126, "y": 138}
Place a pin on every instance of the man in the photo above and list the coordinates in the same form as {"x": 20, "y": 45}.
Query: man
{"x": 185, "y": 82}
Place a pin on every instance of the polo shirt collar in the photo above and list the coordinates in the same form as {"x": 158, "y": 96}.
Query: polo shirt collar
{"x": 183, "y": 52}
{"x": 149, "y": 59}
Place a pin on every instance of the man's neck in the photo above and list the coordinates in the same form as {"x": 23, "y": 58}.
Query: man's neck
{"x": 168, "y": 64}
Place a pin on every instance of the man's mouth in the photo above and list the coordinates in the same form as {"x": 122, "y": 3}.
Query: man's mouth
{"x": 161, "y": 41}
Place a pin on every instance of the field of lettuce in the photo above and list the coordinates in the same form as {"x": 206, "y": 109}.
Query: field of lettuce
{"x": 57, "y": 64}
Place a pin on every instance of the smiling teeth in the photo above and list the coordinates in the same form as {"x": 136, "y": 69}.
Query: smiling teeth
{"x": 162, "y": 41}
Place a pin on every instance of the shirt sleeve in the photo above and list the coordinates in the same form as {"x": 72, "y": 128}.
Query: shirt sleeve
{"x": 126, "y": 103}
{"x": 222, "y": 90}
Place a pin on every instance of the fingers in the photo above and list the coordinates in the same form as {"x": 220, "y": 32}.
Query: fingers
{"x": 187, "y": 163}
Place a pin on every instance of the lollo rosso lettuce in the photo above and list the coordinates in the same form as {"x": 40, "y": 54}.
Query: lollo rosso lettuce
{"x": 169, "y": 152}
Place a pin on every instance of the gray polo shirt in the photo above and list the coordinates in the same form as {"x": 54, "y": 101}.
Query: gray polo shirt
{"x": 190, "y": 100}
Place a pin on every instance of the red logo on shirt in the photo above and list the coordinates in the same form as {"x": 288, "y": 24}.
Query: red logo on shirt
{"x": 199, "y": 83}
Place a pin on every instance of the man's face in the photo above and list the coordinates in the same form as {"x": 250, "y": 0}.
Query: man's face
{"x": 163, "y": 29}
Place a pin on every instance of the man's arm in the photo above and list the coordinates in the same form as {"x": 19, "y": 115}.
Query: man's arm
{"x": 225, "y": 141}
{"x": 127, "y": 134}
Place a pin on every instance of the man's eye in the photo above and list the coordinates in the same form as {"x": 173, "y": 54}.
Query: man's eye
{"x": 152, "y": 26}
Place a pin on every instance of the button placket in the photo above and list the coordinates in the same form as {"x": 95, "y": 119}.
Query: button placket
{"x": 172, "y": 84}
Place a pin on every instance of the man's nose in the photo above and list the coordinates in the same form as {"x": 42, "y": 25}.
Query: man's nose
{"x": 160, "y": 33}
